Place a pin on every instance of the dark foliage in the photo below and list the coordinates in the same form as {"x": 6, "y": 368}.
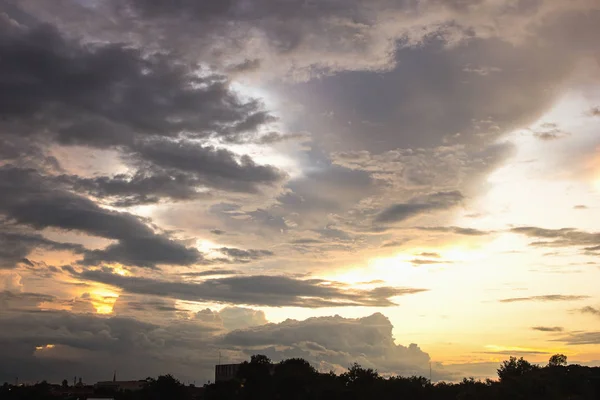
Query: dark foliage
{"x": 296, "y": 379}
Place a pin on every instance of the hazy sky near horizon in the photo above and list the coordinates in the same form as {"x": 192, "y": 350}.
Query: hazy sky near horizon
{"x": 391, "y": 182}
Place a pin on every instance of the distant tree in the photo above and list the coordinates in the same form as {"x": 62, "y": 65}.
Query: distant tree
{"x": 260, "y": 359}
{"x": 65, "y": 384}
{"x": 557, "y": 360}
{"x": 514, "y": 368}
{"x": 166, "y": 387}
{"x": 356, "y": 373}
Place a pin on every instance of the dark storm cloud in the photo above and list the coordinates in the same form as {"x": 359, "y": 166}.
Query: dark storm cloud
{"x": 16, "y": 245}
{"x": 276, "y": 291}
{"x": 420, "y": 205}
{"x": 544, "y": 298}
{"x": 548, "y": 328}
{"x": 32, "y": 199}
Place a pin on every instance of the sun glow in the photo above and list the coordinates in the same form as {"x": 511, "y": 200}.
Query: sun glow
{"x": 103, "y": 300}
{"x": 48, "y": 346}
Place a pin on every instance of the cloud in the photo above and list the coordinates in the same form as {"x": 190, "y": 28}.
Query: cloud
{"x": 31, "y": 199}
{"x": 544, "y": 298}
{"x": 303, "y": 40}
{"x": 420, "y": 205}
{"x": 454, "y": 229}
{"x": 334, "y": 343}
{"x": 150, "y": 107}
{"x": 240, "y": 255}
{"x": 580, "y": 338}
{"x": 564, "y": 237}
{"x": 430, "y": 254}
{"x": 594, "y": 112}
{"x": 580, "y": 207}
{"x": 212, "y": 272}
{"x": 550, "y": 131}
{"x": 548, "y": 328}
{"x": 93, "y": 344}
{"x": 235, "y": 318}
{"x": 590, "y": 310}
{"x": 78, "y": 93}
{"x": 17, "y": 244}
{"x": 424, "y": 261}
{"x": 275, "y": 291}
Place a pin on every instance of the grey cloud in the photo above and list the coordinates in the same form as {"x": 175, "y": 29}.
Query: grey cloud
{"x": 580, "y": 207}
{"x": 16, "y": 245}
{"x": 241, "y": 318}
{"x": 276, "y": 291}
{"x": 427, "y": 254}
{"x": 308, "y": 39}
{"x": 107, "y": 95}
{"x": 139, "y": 188}
{"x": 548, "y": 328}
{"x": 93, "y": 344}
{"x": 564, "y": 237}
{"x": 120, "y": 97}
{"x": 212, "y": 272}
{"x": 33, "y": 200}
{"x": 140, "y": 349}
{"x": 580, "y": 338}
{"x": 549, "y": 297}
{"x": 334, "y": 342}
{"x": 516, "y": 352}
{"x": 211, "y": 166}
{"x": 550, "y": 131}
{"x": 420, "y": 205}
{"x": 590, "y": 310}
{"x": 455, "y": 229}
{"x": 594, "y": 112}
{"x": 424, "y": 261}
{"x": 240, "y": 255}
{"x": 12, "y": 301}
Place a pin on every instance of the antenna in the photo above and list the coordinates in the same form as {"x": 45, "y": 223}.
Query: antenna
{"x": 429, "y": 371}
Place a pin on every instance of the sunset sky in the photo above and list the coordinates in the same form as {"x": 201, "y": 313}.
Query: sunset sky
{"x": 391, "y": 182}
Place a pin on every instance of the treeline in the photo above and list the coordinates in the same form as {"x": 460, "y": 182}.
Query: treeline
{"x": 296, "y": 379}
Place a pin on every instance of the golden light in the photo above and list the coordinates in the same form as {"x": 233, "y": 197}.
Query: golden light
{"x": 103, "y": 300}
{"x": 48, "y": 346}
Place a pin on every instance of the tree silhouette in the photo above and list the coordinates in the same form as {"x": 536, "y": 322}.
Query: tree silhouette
{"x": 65, "y": 384}
{"x": 557, "y": 360}
{"x": 515, "y": 368}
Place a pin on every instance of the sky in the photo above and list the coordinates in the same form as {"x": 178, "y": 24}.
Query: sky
{"x": 398, "y": 183}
